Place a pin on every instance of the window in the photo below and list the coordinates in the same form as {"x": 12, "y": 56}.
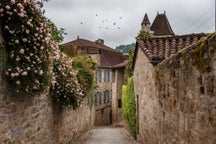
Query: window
{"x": 104, "y": 96}
{"x": 119, "y": 104}
{"x": 100, "y": 98}
{"x": 96, "y": 98}
{"x": 96, "y": 75}
{"x": 102, "y": 111}
{"x": 108, "y": 75}
{"x": 100, "y": 75}
{"x": 105, "y": 76}
{"x": 108, "y": 95}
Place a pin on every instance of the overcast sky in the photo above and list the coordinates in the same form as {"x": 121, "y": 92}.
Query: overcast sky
{"x": 118, "y": 21}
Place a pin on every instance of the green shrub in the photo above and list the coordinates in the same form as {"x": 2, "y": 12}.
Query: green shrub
{"x": 129, "y": 105}
{"x": 85, "y": 66}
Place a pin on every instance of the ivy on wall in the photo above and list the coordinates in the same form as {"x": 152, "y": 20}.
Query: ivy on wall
{"x": 129, "y": 105}
{"x": 129, "y": 69}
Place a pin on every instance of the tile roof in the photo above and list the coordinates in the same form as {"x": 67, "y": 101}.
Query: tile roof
{"x": 161, "y": 25}
{"x": 209, "y": 39}
{"x": 121, "y": 65}
{"x": 108, "y": 56}
{"x": 160, "y": 48}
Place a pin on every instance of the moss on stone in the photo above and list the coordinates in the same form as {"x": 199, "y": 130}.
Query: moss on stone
{"x": 199, "y": 60}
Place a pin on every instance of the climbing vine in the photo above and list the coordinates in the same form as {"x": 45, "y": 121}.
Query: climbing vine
{"x": 129, "y": 105}
{"x": 65, "y": 89}
{"x": 35, "y": 62}
{"x": 27, "y": 40}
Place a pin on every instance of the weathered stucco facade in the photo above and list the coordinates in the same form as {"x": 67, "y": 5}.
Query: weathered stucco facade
{"x": 176, "y": 101}
{"x": 35, "y": 120}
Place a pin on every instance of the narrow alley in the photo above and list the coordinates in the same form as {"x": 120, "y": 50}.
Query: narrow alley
{"x": 108, "y": 135}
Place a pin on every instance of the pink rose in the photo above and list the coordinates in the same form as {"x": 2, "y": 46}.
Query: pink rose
{"x": 22, "y": 51}
{"x": 6, "y": 73}
{"x": 17, "y": 41}
{"x": 17, "y": 59}
{"x": 18, "y": 82}
{"x": 20, "y": 6}
{"x": 12, "y": 1}
{"x": 24, "y": 73}
{"x": 12, "y": 75}
{"x": 27, "y": 31}
{"x": 7, "y": 7}
{"x": 1, "y": 10}
{"x": 17, "y": 68}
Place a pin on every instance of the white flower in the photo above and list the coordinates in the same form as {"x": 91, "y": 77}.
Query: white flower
{"x": 25, "y": 40}
{"x": 40, "y": 72}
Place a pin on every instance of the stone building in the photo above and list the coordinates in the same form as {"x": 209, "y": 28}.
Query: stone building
{"x": 109, "y": 77}
{"x": 174, "y": 82}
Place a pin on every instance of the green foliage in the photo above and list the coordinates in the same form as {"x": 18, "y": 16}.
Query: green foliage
{"x": 65, "y": 89}
{"x": 128, "y": 69}
{"x": 143, "y": 35}
{"x": 129, "y": 105}
{"x": 85, "y": 66}
{"x": 125, "y": 48}
{"x": 57, "y": 34}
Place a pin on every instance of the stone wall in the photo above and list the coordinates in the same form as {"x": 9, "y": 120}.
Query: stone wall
{"x": 176, "y": 102}
{"x": 31, "y": 120}
{"x": 146, "y": 100}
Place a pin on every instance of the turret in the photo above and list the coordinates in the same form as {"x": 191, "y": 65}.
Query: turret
{"x": 145, "y": 25}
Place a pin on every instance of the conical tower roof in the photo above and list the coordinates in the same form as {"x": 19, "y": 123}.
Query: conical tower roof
{"x": 145, "y": 19}
{"x": 161, "y": 25}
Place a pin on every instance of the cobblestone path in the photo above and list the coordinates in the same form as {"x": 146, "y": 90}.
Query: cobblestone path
{"x": 109, "y": 135}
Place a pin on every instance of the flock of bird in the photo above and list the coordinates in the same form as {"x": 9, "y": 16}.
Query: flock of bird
{"x": 114, "y": 23}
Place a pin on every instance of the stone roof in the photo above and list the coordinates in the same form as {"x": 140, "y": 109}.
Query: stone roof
{"x": 161, "y": 25}
{"x": 108, "y": 56}
{"x": 145, "y": 19}
{"x": 159, "y": 48}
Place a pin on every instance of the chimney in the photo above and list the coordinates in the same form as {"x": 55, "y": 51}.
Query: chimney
{"x": 100, "y": 41}
{"x": 78, "y": 37}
